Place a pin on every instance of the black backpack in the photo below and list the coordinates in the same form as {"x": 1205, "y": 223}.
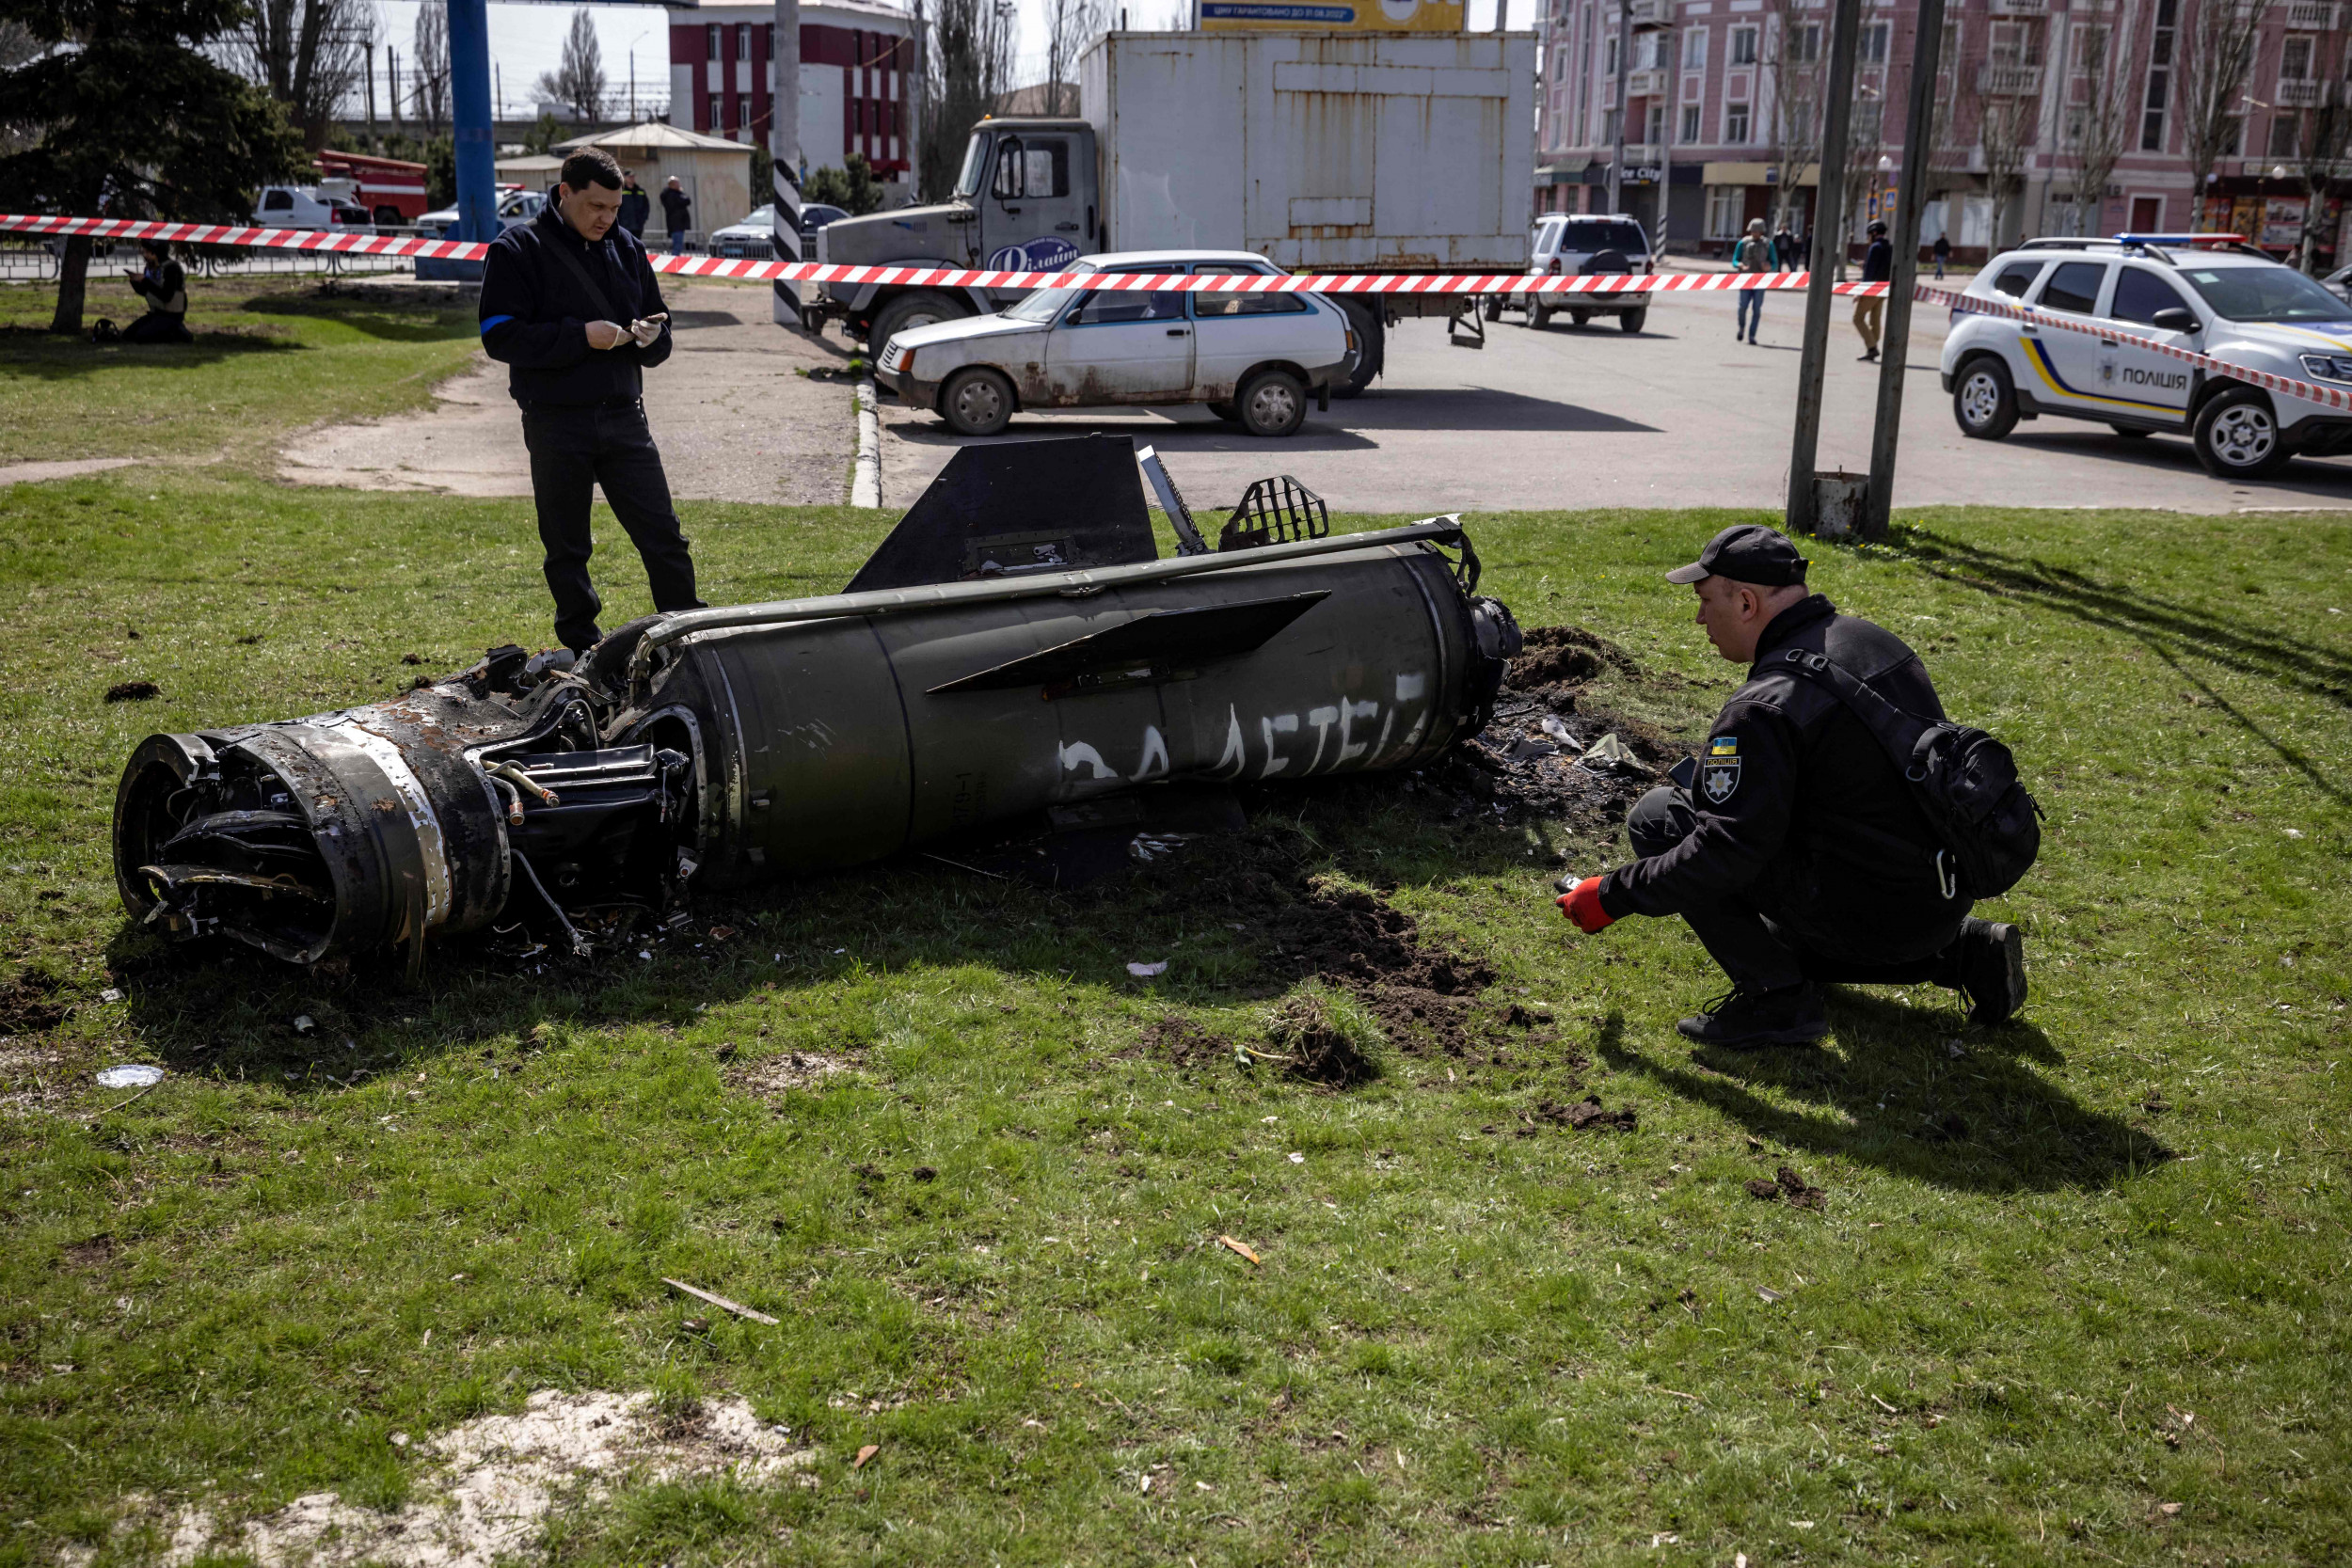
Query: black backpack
{"x": 1965, "y": 780}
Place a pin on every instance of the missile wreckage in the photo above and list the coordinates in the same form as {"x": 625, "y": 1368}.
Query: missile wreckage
{"x": 1015, "y": 646}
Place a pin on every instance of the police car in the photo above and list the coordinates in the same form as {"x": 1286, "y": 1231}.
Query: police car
{"x": 2209, "y": 294}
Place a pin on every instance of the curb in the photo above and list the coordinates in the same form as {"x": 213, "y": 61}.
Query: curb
{"x": 866, "y": 469}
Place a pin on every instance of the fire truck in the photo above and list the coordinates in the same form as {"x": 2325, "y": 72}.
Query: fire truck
{"x": 391, "y": 189}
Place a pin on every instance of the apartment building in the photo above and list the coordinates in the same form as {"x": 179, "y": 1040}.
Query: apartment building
{"x": 855, "y": 95}
{"x": 1720, "y": 95}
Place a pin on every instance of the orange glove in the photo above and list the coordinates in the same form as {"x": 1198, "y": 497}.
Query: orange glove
{"x": 1583, "y": 904}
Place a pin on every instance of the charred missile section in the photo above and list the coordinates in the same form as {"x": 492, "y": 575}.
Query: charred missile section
{"x": 1016, "y": 643}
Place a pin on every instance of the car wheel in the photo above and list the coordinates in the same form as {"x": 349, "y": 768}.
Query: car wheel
{"x": 1984, "y": 401}
{"x": 976, "y": 401}
{"x": 1229, "y": 412}
{"x": 920, "y": 308}
{"x": 1632, "y": 321}
{"x": 1272, "y": 402}
{"x": 2237, "y": 436}
{"x": 1578, "y": 318}
{"x": 2130, "y": 432}
{"x": 1492, "y": 307}
{"x": 1372, "y": 338}
{"x": 1539, "y": 316}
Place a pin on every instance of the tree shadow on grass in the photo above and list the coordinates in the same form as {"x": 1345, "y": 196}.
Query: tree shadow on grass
{"x": 39, "y": 355}
{"x": 387, "y": 319}
{"x": 2171, "y": 630}
{"x": 1892, "y": 1093}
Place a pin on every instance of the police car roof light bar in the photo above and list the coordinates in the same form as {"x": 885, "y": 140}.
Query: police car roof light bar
{"x": 2180, "y": 239}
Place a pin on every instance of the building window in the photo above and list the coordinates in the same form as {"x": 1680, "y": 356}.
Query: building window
{"x": 1609, "y": 59}
{"x": 1872, "y": 43}
{"x": 2159, "y": 77}
{"x": 2233, "y": 139}
{"x": 1695, "y": 48}
{"x": 713, "y": 116}
{"x": 1654, "y": 131}
{"x": 2285, "y": 135}
{"x": 769, "y": 39}
{"x": 1743, "y": 46}
{"x": 2295, "y": 58}
{"x": 711, "y": 42}
{"x": 743, "y": 117}
{"x": 1805, "y": 44}
{"x": 1726, "y": 206}
{"x": 1736, "y": 124}
{"x": 1690, "y": 124}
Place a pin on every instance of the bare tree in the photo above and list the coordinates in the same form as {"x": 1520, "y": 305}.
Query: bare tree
{"x": 308, "y": 54}
{"x": 2212, "y": 75}
{"x": 1069, "y": 26}
{"x": 578, "y": 82}
{"x": 429, "y": 68}
{"x": 2323, "y": 141}
{"x": 2002, "y": 91}
{"x": 1799, "y": 80}
{"x": 968, "y": 57}
{"x": 2101, "y": 105}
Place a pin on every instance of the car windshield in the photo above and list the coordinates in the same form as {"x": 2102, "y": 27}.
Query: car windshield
{"x": 763, "y": 218}
{"x": 975, "y": 167}
{"x": 1605, "y": 236}
{"x": 1045, "y": 305}
{"x": 2263, "y": 295}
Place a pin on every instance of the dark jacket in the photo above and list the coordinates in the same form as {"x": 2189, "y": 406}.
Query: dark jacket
{"x": 1878, "y": 262}
{"x": 535, "y": 312}
{"x": 1792, "y": 786}
{"x": 636, "y": 207}
{"x": 678, "y": 208}
{"x": 165, "y": 287}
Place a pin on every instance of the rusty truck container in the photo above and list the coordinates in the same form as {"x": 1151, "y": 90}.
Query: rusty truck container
{"x": 1321, "y": 152}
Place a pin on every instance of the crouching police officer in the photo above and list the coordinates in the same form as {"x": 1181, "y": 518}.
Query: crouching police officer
{"x": 1797, "y": 853}
{"x": 569, "y": 302}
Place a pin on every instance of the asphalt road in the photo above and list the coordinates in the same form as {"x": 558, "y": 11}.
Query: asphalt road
{"x": 1680, "y": 414}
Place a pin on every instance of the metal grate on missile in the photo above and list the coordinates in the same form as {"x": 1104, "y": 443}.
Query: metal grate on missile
{"x": 1014, "y": 644}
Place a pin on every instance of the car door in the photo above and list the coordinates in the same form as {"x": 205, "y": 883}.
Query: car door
{"x": 1121, "y": 345}
{"x": 2146, "y": 384}
{"x": 1233, "y": 331}
{"x": 2062, "y": 364}
{"x": 1034, "y": 212}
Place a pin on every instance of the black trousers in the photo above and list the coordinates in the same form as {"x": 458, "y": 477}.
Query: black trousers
{"x": 573, "y": 450}
{"x": 1792, "y": 924}
{"x": 158, "y": 326}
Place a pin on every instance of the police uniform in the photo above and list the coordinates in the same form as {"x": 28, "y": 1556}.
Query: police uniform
{"x": 1797, "y": 855}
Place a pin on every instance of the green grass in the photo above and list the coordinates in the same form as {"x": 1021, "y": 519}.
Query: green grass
{"x": 269, "y": 354}
{"x": 1531, "y": 1349}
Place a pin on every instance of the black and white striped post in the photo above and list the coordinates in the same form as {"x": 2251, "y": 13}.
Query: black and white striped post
{"x": 783, "y": 146}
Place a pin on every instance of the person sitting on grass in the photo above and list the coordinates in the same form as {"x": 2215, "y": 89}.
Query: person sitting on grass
{"x": 164, "y": 284}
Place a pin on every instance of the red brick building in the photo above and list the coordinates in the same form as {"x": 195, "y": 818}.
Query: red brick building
{"x": 855, "y": 96}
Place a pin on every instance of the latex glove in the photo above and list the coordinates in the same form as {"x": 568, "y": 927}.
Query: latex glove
{"x": 606, "y": 334}
{"x": 1583, "y": 904}
{"x": 646, "y": 332}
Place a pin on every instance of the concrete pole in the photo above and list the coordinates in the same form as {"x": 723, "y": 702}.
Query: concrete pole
{"x": 469, "y": 113}
{"x": 1624, "y": 62}
{"x": 1829, "y": 230}
{"x": 783, "y": 146}
{"x": 1918, "y": 126}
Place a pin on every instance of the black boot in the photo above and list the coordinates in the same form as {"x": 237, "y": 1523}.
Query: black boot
{"x": 1748, "y": 1018}
{"x": 1990, "y": 970}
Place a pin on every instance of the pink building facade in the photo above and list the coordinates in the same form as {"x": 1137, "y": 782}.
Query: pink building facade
{"x": 1702, "y": 84}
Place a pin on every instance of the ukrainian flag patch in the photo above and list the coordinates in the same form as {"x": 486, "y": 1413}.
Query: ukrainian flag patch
{"x": 1719, "y": 775}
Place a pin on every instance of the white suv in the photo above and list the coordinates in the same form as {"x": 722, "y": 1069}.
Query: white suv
{"x": 2228, "y": 302}
{"x": 1569, "y": 244}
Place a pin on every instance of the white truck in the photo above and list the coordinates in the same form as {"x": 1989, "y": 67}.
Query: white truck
{"x": 1328, "y": 153}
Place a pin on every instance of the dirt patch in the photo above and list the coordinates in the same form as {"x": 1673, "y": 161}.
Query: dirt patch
{"x": 1586, "y": 1115}
{"x": 30, "y": 1004}
{"x": 772, "y": 1077}
{"x": 493, "y": 1481}
{"x": 1181, "y": 1041}
{"x": 93, "y": 1253}
{"x": 1786, "y": 1187}
{"x": 132, "y": 692}
{"x": 1315, "y": 1045}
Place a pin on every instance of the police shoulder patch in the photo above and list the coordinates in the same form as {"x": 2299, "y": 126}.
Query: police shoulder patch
{"x": 1719, "y": 769}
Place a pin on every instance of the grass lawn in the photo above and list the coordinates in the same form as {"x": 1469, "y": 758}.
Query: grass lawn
{"x": 2066, "y": 1296}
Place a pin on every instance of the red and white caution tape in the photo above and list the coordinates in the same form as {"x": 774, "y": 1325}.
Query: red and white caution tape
{"x": 333, "y": 243}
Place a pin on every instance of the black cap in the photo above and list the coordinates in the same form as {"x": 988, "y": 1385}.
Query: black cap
{"x": 1746, "y": 552}
{"x": 1877, "y": 227}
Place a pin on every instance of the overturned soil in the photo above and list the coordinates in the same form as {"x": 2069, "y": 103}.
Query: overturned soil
{"x": 30, "y": 1004}
{"x": 1317, "y": 1047}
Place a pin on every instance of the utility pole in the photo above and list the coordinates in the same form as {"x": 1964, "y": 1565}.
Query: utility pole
{"x": 470, "y": 106}
{"x": 1918, "y": 126}
{"x": 391, "y": 84}
{"x": 784, "y": 150}
{"x": 1624, "y": 62}
{"x": 372, "y": 145}
{"x": 1829, "y": 228}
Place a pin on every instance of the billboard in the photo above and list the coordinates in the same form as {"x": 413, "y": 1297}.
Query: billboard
{"x": 1327, "y": 16}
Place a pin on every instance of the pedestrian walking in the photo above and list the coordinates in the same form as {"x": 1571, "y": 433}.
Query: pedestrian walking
{"x": 1943, "y": 254}
{"x": 1753, "y": 254}
{"x": 1784, "y": 249}
{"x": 1869, "y": 310}
{"x": 636, "y": 206}
{"x": 571, "y": 306}
{"x": 678, "y": 208}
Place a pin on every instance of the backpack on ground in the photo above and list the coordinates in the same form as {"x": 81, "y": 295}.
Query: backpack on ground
{"x": 1965, "y": 780}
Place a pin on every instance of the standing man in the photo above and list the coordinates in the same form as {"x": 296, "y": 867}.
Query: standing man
{"x": 1942, "y": 255}
{"x": 678, "y": 208}
{"x": 569, "y": 301}
{"x": 1797, "y": 854}
{"x": 1785, "y": 247}
{"x": 1869, "y": 310}
{"x": 1753, "y": 254}
{"x": 636, "y": 206}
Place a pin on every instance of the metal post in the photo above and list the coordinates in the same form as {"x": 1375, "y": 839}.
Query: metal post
{"x": 469, "y": 95}
{"x": 1910, "y": 200}
{"x": 783, "y": 148}
{"x": 1829, "y": 228}
{"x": 373, "y": 145}
{"x": 1625, "y": 61}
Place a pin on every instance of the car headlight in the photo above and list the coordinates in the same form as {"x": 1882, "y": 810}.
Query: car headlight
{"x": 2327, "y": 367}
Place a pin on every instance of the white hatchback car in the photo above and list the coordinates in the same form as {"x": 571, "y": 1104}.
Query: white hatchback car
{"x": 1254, "y": 358}
{"x": 2230, "y": 301}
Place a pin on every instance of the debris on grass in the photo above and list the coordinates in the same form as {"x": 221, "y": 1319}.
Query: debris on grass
{"x": 132, "y": 692}
{"x": 1144, "y": 971}
{"x": 137, "y": 1075}
{"x": 719, "y": 1301}
{"x": 1787, "y": 1185}
{"x": 1240, "y": 1247}
{"x": 868, "y": 1451}
{"x": 1326, "y": 1036}
{"x": 772, "y": 1077}
{"x": 1768, "y": 1295}
{"x": 493, "y": 1481}
{"x": 1586, "y": 1113}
